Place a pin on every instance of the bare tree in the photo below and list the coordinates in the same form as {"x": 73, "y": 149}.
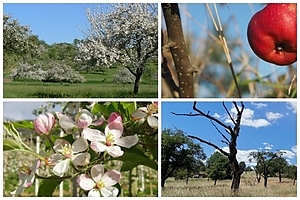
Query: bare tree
{"x": 230, "y": 139}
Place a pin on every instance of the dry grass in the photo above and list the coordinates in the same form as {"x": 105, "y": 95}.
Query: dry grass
{"x": 248, "y": 188}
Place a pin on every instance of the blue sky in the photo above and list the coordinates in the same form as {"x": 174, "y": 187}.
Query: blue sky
{"x": 265, "y": 126}
{"x": 52, "y": 22}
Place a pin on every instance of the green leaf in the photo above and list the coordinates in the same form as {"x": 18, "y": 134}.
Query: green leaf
{"x": 11, "y": 145}
{"x": 48, "y": 186}
{"x": 24, "y": 124}
{"x": 133, "y": 157}
{"x": 100, "y": 108}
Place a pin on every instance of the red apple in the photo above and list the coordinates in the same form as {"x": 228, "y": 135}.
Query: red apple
{"x": 272, "y": 33}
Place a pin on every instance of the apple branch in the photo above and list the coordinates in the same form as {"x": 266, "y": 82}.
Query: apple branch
{"x": 178, "y": 49}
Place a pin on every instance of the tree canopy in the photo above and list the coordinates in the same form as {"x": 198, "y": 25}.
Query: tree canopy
{"x": 179, "y": 152}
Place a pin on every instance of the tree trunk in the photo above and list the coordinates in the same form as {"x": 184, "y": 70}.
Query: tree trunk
{"x": 137, "y": 80}
{"x": 280, "y": 177}
{"x": 235, "y": 185}
{"x": 187, "y": 180}
{"x": 215, "y": 183}
{"x": 163, "y": 181}
{"x": 265, "y": 181}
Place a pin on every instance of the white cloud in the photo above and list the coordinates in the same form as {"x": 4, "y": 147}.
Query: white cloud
{"x": 259, "y": 105}
{"x": 294, "y": 149}
{"x": 216, "y": 115}
{"x": 248, "y": 118}
{"x": 243, "y": 156}
{"x": 273, "y": 116}
{"x": 292, "y": 106}
{"x": 268, "y": 146}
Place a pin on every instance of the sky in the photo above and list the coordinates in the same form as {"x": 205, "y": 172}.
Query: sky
{"x": 265, "y": 126}
{"x": 18, "y": 110}
{"x": 52, "y": 22}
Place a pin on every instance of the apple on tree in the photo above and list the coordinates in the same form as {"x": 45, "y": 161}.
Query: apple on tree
{"x": 272, "y": 33}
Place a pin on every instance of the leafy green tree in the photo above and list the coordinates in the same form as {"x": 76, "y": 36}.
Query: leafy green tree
{"x": 218, "y": 167}
{"x": 264, "y": 166}
{"x": 291, "y": 172}
{"x": 178, "y": 152}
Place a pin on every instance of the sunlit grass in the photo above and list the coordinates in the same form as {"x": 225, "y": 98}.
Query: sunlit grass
{"x": 248, "y": 188}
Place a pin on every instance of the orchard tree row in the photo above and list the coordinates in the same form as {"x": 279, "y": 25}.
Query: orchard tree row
{"x": 176, "y": 146}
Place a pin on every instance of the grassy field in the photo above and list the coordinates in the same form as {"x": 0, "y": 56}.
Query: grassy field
{"x": 248, "y": 188}
{"x": 97, "y": 85}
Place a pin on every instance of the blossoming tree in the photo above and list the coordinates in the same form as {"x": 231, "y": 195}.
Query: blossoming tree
{"x": 96, "y": 138}
{"x": 125, "y": 34}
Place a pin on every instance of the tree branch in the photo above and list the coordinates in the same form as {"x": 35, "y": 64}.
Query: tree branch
{"x": 178, "y": 49}
{"x": 228, "y": 113}
{"x": 210, "y": 144}
{"x": 211, "y": 118}
{"x": 221, "y": 133}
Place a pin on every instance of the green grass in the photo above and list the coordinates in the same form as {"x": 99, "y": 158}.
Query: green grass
{"x": 97, "y": 85}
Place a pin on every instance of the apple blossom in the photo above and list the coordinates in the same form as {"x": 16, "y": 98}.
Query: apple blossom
{"x": 100, "y": 182}
{"x": 43, "y": 124}
{"x": 111, "y": 137}
{"x": 27, "y": 176}
{"x": 150, "y": 113}
{"x": 66, "y": 153}
{"x": 82, "y": 120}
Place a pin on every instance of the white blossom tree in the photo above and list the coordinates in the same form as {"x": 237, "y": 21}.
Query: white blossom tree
{"x": 125, "y": 34}
{"x": 18, "y": 40}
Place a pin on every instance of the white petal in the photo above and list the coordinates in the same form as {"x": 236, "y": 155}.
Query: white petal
{"x": 116, "y": 133}
{"x": 61, "y": 167}
{"x": 93, "y": 135}
{"x": 81, "y": 159}
{"x": 98, "y": 146}
{"x": 114, "y": 151}
{"x": 97, "y": 171}
{"x": 109, "y": 191}
{"x": 85, "y": 182}
{"x": 79, "y": 145}
{"x": 94, "y": 193}
{"x": 60, "y": 144}
{"x": 140, "y": 113}
{"x": 66, "y": 122}
{"x": 53, "y": 159}
{"x": 127, "y": 141}
{"x": 111, "y": 177}
{"x": 152, "y": 121}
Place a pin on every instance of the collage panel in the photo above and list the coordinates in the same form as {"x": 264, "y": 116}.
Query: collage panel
{"x": 229, "y": 50}
{"x": 80, "y": 149}
{"x": 80, "y": 50}
{"x": 223, "y": 149}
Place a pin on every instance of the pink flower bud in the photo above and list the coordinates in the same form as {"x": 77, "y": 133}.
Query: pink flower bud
{"x": 43, "y": 124}
{"x": 114, "y": 117}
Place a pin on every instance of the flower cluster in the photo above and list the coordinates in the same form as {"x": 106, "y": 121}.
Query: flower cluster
{"x": 97, "y": 134}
